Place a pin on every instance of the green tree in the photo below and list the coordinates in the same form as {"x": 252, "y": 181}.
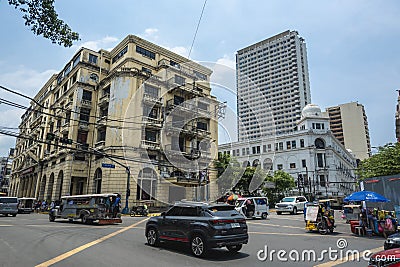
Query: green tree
{"x": 385, "y": 162}
{"x": 42, "y": 19}
{"x": 229, "y": 173}
{"x": 283, "y": 182}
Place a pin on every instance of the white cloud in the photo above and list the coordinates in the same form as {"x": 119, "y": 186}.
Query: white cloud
{"x": 26, "y": 81}
{"x": 104, "y": 43}
{"x": 180, "y": 50}
{"x": 227, "y": 61}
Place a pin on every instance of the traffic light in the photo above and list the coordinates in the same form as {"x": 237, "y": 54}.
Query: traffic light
{"x": 65, "y": 141}
{"x": 50, "y": 136}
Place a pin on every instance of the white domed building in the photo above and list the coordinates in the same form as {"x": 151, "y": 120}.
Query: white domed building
{"x": 320, "y": 164}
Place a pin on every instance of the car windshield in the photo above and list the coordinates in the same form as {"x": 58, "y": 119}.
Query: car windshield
{"x": 288, "y": 199}
{"x": 223, "y": 211}
{"x": 8, "y": 200}
{"x": 239, "y": 202}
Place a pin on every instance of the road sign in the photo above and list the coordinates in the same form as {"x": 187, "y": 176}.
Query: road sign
{"x": 108, "y": 165}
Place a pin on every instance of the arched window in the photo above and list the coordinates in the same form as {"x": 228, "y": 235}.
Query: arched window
{"x": 319, "y": 143}
{"x": 256, "y": 162}
{"x": 60, "y": 181}
{"x": 98, "y": 176}
{"x": 42, "y": 187}
{"x": 246, "y": 164}
{"x": 146, "y": 184}
{"x": 50, "y": 187}
{"x": 267, "y": 164}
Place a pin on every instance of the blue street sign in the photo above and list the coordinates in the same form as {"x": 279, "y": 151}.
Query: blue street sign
{"x": 108, "y": 165}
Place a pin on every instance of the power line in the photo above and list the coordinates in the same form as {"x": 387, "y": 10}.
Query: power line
{"x": 197, "y": 28}
{"x": 20, "y": 94}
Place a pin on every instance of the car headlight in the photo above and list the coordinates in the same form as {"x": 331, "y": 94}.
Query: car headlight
{"x": 276, "y": 207}
{"x": 396, "y": 239}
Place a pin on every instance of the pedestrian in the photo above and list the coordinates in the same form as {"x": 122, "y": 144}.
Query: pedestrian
{"x": 116, "y": 204}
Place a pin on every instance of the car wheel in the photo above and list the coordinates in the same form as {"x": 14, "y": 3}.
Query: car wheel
{"x": 279, "y": 212}
{"x": 198, "y": 246}
{"x": 264, "y": 215}
{"x": 234, "y": 249}
{"x": 14, "y": 215}
{"x": 294, "y": 211}
{"x": 52, "y": 218}
{"x": 6, "y": 214}
{"x": 152, "y": 237}
{"x": 85, "y": 219}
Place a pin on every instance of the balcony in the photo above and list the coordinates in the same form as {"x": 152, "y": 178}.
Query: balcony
{"x": 100, "y": 144}
{"x": 152, "y": 99}
{"x": 83, "y": 125}
{"x": 105, "y": 99}
{"x": 101, "y": 121}
{"x": 152, "y": 122}
{"x": 179, "y": 128}
{"x": 186, "y": 151}
{"x": 36, "y": 121}
{"x": 86, "y": 103}
{"x": 64, "y": 127}
{"x": 180, "y": 69}
{"x": 146, "y": 144}
{"x": 186, "y": 106}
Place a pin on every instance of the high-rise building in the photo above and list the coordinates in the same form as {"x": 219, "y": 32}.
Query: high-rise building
{"x": 138, "y": 109}
{"x": 398, "y": 118}
{"x": 349, "y": 125}
{"x": 272, "y": 85}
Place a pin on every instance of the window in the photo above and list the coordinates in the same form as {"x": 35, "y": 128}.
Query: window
{"x": 320, "y": 160}
{"x": 67, "y": 70}
{"x": 202, "y": 125}
{"x": 293, "y": 144}
{"x": 179, "y": 80}
{"x": 292, "y": 165}
{"x": 174, "y": 64}
{"x": 279, "y": 167}
{"x": 303, "y": 163}
{"x": 202, "y": 106}
{"x": 322, "y": 181}
{"x": 318, "y": 126}
{"x": 264, "y": 148}
{"x": 319, "y": 143}
{"x": 151, "y": 91}
{"x": 280, "y": 145}
{"x": 178, "y": 100}
{"x": 92, "y": 58}
{"x": 106, "y": 91}
{"x": 301, "y": 142}
{"x": 258, "y": 149}
{"x": 145, "y": 52}
{"x": 243, "y": 151}
{"x": 148, "y": 71}
{"x": 101, "y": 135}
{"x": 201, "y": 76}
{"x": 288, "y": 145}
{"x": 84, "y": 114}
{"x": 247, "y": 151}
{"x": 151, "y": 136}
{"x": 174, "y": 211}
{"x": 269, "y": 147}
{"x": 76, "y": 61}
{"x": 82, "y": 137}
{"x": 253, "y": 149}
{"x": 87, "y": 95}
{"x": 313, "y": 125}
{"x": 189, "y": 211}
{"x": 149, "y": 111}
{"x": 276, "y": 146}
{"x": 120, "y": 54}
{"x": 322, "y": 126}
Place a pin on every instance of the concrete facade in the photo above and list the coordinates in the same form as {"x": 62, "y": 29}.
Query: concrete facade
{"x": 139, "y": 106}
{"x": 272, "y": 84}
{"x": 349, "y": 124}
{"x": 312, "y": 155}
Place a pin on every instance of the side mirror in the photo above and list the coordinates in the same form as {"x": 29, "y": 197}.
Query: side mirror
{"x": 163, "y": 214}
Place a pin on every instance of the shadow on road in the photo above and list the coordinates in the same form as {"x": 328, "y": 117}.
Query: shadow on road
{"x": 217, "y": 254}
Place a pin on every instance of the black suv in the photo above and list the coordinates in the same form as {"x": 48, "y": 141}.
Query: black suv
{"x": 202, "y": 225}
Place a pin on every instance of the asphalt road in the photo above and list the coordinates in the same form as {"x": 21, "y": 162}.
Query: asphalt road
{"x": 31, "y": 240}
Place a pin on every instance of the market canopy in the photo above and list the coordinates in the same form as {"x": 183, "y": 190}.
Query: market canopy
{"x": 368, "y": 196}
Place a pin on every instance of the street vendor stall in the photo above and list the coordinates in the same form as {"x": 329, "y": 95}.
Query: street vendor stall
{"x": 374, "y": 221}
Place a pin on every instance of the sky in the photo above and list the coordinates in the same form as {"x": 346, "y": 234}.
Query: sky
{"x": 352, "y": 47}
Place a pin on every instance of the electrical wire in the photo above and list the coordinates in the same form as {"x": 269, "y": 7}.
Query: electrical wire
{"x": 197, "y": 28}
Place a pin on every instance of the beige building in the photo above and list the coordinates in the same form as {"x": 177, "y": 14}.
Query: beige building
{"x": 138, "y": 107}
{"x": 349, "y": 124}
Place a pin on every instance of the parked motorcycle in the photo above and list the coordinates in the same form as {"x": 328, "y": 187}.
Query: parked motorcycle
{"x": 139, "y": 210}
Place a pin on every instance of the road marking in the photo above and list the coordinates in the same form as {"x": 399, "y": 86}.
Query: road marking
{"x": 282, "y": 226}
{"x": 305, "y": 234}
{"x": 88, "y": 245}
{"x": 347, "y": 258}
{"x": 5, "y": 225}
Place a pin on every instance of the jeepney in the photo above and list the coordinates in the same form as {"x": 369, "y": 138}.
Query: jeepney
{"x": 26, "y": 204}
{"x": 94, "y": 208}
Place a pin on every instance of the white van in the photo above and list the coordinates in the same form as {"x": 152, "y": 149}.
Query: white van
{"x": 253, "y": 207}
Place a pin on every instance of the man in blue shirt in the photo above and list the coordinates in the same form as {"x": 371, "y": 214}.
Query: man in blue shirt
{"x": 116, "y": 204}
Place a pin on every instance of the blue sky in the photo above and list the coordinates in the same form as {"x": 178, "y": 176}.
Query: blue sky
{"x": 353, "y": 46}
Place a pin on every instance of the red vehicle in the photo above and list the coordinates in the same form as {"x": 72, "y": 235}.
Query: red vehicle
{"x": 387, "y": 258}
